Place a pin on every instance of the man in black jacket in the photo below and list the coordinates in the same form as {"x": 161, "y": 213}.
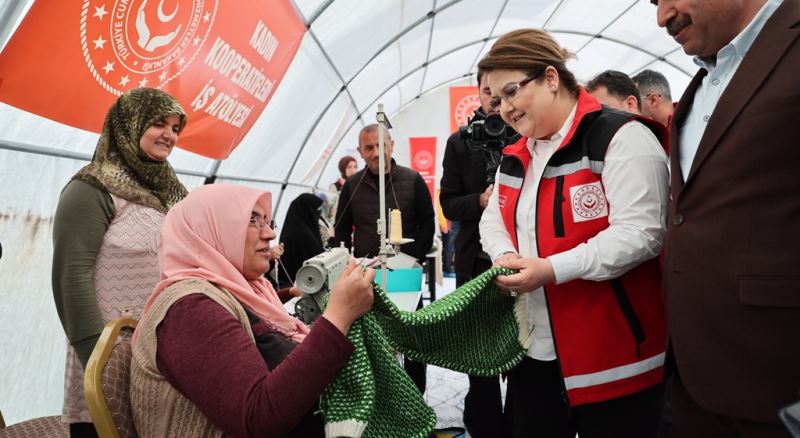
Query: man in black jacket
{"x": 358, "y": 208}
{"x": 464, "y": 193}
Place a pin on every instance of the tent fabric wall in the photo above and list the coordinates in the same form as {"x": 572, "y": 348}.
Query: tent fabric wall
{"x": 32, "y": 344}
{"x": 355, "y": 55}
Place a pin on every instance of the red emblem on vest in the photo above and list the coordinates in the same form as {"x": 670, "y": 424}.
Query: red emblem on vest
{"x": 501, "y": 200}
{"x": 588, "y": 202}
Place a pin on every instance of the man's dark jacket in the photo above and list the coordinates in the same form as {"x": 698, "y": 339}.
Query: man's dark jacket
{"x": 463, "y": 181}
{"x": 358, "y": 210}
{"x": 732, "y": 254}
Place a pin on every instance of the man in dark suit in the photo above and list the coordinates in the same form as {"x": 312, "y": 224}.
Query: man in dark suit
{"x": 733, "y": 246}
{"x": 464, "y": 193}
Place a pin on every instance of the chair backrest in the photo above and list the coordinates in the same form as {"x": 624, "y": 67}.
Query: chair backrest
{"x": 107, "y": 381}
{"x": 42, "y": 427}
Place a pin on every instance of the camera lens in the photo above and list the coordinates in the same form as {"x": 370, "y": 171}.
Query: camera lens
{"x": 494, "y": 126}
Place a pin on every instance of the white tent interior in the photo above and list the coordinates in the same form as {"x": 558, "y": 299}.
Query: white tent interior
{"x": 354, "y": 55}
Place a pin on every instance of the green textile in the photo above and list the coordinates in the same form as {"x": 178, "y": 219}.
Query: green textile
{"x": 471, "y": 330}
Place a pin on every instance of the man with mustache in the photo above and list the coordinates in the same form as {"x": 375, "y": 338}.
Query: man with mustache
{"x": 730, "y": 259}
{"x": 359, "y": 209}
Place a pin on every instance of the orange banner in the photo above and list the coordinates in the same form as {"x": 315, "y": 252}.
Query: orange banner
{"x": 69, "y": 60}
{"x": 463, "y": 102}
{"x": 422, "y": 151}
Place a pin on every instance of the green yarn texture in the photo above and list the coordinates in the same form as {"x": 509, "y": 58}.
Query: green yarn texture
{"x": 472, "y": 330}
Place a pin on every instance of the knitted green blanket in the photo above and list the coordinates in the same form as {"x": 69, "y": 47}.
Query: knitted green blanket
{"x": 471, "y": 330}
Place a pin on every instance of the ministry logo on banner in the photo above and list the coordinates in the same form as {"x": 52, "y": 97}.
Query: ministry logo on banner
{"x": 147, "y": 45}
{"x": 422, "y": 151}
{"x": 463, "y": 103}
{"x": 69, "y": 60}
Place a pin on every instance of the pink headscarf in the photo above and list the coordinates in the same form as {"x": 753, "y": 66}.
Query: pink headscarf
{"x": 204, "y": 238}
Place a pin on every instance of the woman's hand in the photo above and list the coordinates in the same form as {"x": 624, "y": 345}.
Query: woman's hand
{"x": 533, "y": 274}
{"x": 351, "y": 296}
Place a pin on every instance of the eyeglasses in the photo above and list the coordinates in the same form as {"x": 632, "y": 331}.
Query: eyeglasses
{"x": 510, "y": 91}
{"x": 647, "y": 96}
{"x": 259, "y": 222}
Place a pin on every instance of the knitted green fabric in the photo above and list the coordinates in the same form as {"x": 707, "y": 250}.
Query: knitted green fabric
{"x": 471, "y": 330}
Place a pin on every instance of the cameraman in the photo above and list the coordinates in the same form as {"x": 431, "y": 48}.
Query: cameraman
{"x": 465, "y": 189}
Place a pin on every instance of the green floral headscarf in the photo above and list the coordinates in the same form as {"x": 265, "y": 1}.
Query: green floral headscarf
{"x": 120, "y": 166}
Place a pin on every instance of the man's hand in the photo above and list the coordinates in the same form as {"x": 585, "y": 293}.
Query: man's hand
{"x": 533, "y": 274}
{"x": 275, "y": 252}
{"x": 484, "y": 198}
{"x": 506, "y": 257}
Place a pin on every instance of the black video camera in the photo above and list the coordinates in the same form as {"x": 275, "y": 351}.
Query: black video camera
{"x": 486, "y": 132}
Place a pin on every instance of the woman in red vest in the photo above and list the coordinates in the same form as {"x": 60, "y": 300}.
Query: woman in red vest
{"x": 579, "y": 209}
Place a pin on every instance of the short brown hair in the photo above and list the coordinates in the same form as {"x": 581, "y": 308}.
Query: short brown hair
{"x": 532, "y": 51}
{"x": 481, "y": 73}
{"x": 617, "y": 84}
{"x": 343, "y": 163}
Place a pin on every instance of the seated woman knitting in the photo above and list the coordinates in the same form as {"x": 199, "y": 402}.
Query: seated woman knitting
{"x": 215, "y": 353}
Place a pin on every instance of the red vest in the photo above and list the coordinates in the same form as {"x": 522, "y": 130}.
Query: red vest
{"x": 609, "y": 335}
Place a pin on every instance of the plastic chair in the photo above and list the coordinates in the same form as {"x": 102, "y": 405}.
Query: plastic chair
{"x": 107, "y": 381}
{"x": 35, "y": 428}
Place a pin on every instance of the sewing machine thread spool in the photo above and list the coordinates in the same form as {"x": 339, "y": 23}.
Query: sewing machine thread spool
{"x": 396, "y": 226}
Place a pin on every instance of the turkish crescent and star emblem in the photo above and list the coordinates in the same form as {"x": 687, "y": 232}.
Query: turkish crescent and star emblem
{"x": 143, "y": 43}
{"x": 465, "y": 107}
{"x": 588, "y": 202}
{"x": 423, "y": 160}
{"x": 222, "y": 60}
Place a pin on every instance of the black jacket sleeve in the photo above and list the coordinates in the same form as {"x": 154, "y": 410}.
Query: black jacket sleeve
{"x": 423, "y": 239}
{"x": 458, "y": 203}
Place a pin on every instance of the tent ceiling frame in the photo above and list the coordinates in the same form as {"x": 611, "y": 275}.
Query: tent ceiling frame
{"x": 432, "y": 17}
{"x": 662, "y": 58}
{"x": 317, "y": 13}
{"x": 9, "y": 14}
{"x": 610, "y": 23}
{"x": 552, "y": 14}
{"x": 322, "y": 114}
{"x": 429, "y": 16}
{"x": 215, "y": 165}
{"x": 345, "y": 83}
{"x": 79, "y": 156}
{"x": 488, "y": 37}
{"x": 655, "y": 57}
